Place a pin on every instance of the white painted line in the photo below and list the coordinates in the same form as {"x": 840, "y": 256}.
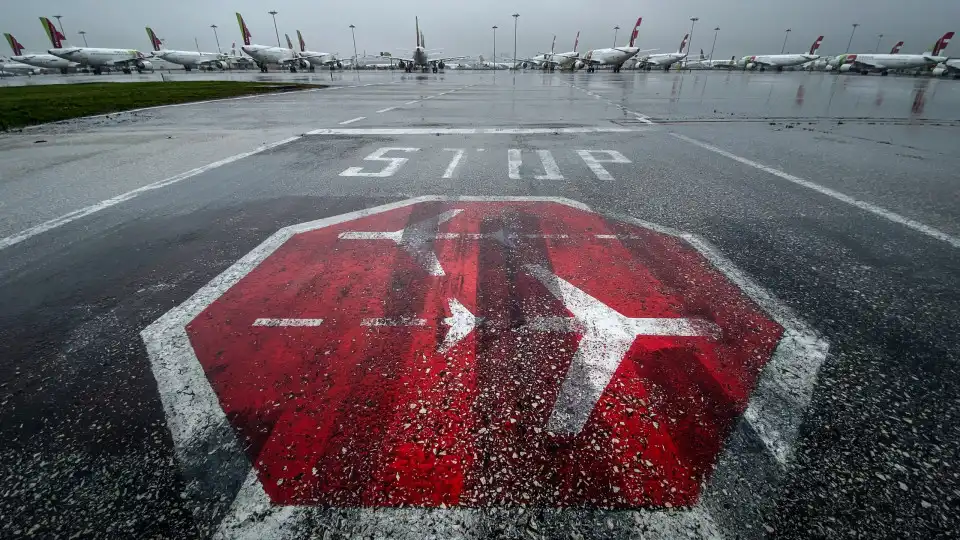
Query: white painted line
{"x": 872, "y": 208}
{"x": 550, "y": 168}
{"x": 514, "y": 161}
{"x": 474, "y": 131}
{"x": 457, "y": 156}
{"x": 352, "y": 120}
{"x": 92, "y": 209}
{"x": 388, "y": 109}
{"x": 594, "y": 163}
{"x": 288, "y": 322}
{"x": 394, "y": 321}
{"x": 412, "y": 102}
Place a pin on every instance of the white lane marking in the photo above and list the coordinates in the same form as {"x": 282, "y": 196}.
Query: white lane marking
{"x": 473, "y": 131}
{"x": 352, "y": 120}
{"x": 607, "y": 336}
{"x": 416, "y": 239}
{"x": 514, "y": 160}
{"x": 394, "y": 321}
{"x": 288, "y": 322}
{"x": 550, "y": 168}
{"x": 390, "y": 169}
{"x": 388, "y": 109}
{"x": 113, "y": 201}
{"x": 411, "y": 102}
{"x": 595, "y": 164}
{"x": 453, "y": 162}
{"x": 872, "y": 208}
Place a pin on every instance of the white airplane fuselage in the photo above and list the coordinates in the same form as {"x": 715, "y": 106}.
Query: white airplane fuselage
{"x": 664, "y": 60}
{"x": 98, "y": 57}
{"x": 47, "y": 61}
{"x": 319, "y": 58}
{"x": 884, "y": 62}
{"x": 264, "y": 54}
{"x": 191, "y": 58}
{"x": 776, "y": 60}
{"x": 17, "y": 68}
{"x": 612, "y": 57}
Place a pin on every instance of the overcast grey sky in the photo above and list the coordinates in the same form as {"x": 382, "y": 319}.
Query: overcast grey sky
{"x": 746, "y": 26}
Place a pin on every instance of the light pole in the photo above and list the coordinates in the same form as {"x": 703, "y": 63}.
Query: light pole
{"x": 693, "y": 21}
{"x": 877, "y": 48}
{"x": 355, "y": 59}
{"x": 58, "y": 17}
{"x": 855, "y": 25}
{"x": 786, "y": 35}
{"x": 716, "y": 32}
{"x": 84, "y": 36}
{"x": 216, "y": 37}
{"x": 515, "y": 17}
{"x": 274, "y": 13}
{"x": 615, "y": 30}
{"x": 494, "y": 47}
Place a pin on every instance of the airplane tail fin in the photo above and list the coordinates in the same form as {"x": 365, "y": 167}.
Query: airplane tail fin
{"x": 303, "y": 44}
{"x": 56, "y": 38}
{"x": 636, "y": 32}
{"x": 289, "y": 43}
{"x": 816, "y": 45}
{"x": 683, "y": 44}
{"x": 419, "y": 35}
{"x": 576, "y": 42}
{"x": 896, "y": 48}
{"x": 942, "y": 43}
{"x": 554, "y": 44}
{"x": 14, "y": 44}
{"x": 154, "y": 41}
{"x": 244, "y": 31}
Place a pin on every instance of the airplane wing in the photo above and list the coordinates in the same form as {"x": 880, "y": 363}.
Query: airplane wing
{"x": 449, "y": 58}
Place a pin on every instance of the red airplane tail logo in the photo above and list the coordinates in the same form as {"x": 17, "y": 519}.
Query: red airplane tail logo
{"x": 942, "y": 43}
{"x": 636, "y": 31}
{"x": 15, "y": 45}
{"x": 683, "y": 44}
{"x": 244, "y": 31}
{"x": 576, "y": 42}
{"x": 816, "y": 45}
{"x": 56, "y": 38}
{"x": 896, "y": 48}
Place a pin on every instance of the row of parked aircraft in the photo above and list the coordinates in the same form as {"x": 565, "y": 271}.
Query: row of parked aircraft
{"x": 64, "y": 58}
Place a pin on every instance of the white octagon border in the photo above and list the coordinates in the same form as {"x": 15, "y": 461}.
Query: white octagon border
{"x": 754, "y": 458}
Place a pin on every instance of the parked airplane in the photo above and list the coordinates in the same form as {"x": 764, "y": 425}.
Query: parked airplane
{"x": 265, "y": 54}
{"x": 615, "y": 56}
{"x": 17, "y": 68}
{"x": 318, "y": 58}
{"x": 832, "y": 63}
{"x": 46, "y": 61}
{"x": 780, "y": 61}
{"x": 865, "y": 63}
{"x": 421, "y": 56}
{"x": 664, "y": 60}
{"x": 950, "y": 66}
{"x": 97, "y": 58}
{"x": 187, "y": 59}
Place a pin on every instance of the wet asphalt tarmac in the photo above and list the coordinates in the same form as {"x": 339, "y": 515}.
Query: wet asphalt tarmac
{"x": 837, "y": 195}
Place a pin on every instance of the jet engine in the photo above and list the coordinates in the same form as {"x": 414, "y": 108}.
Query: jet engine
{"x": 938, "y": 71}
{"x": 441, "y": 65}
{"x": 578, "y": 64}
{"x": 339, "y": 65}
{"x": 845, "y": 68}
{"x": 304, "y": 63}
{"x": 144, "y": 65}
{"x": 751, "y": 65}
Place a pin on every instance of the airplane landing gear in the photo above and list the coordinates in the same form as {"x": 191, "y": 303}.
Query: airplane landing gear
{"x": 127, "y": 71}
{"x": 97, "y": 70}
{"x": 293, "y": 69}
{"x": 779, "y": 69}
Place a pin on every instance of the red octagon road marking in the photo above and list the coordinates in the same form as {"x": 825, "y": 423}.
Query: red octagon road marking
{"x": 471, "y": 353}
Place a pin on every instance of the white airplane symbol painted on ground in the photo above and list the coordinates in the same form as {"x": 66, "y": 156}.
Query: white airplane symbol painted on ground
{"x": 607, "y": 336}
